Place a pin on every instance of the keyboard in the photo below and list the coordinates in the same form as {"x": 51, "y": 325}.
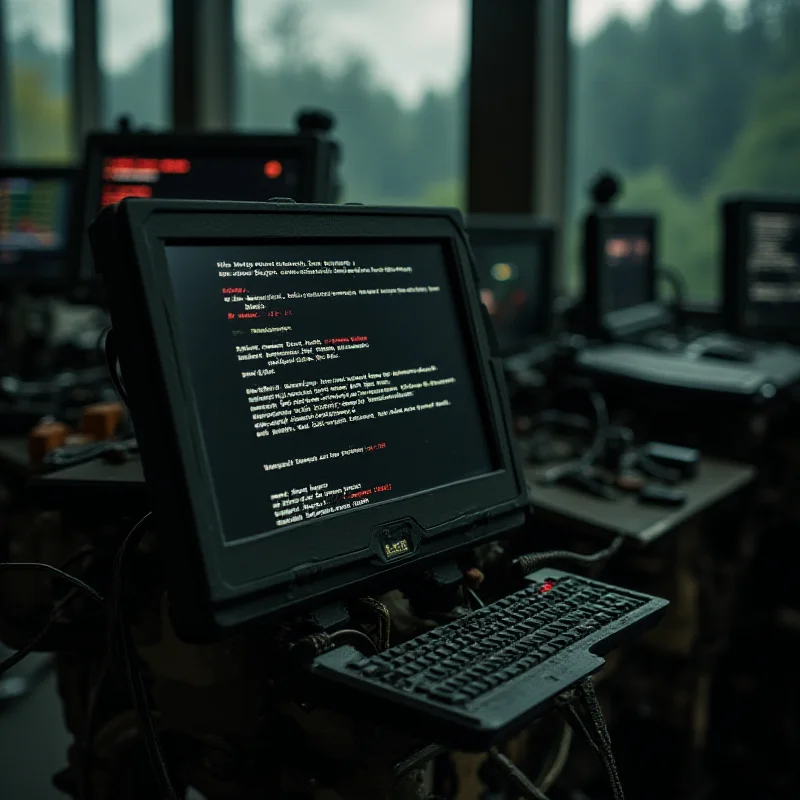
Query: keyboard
{"x": 471, "y": 683}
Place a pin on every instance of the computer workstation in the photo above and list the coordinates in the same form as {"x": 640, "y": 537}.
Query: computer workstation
{"x": 332, "y": 396}
{"x": 642, "y": 344}
{"x": 201, "y": 166}
{"x": 402, "y": 537}
{"x": 35, "y": 221}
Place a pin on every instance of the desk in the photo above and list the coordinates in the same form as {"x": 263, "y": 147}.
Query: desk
{"x": 716, "y": 481}
{"x": 14, "y": 456}
{"x": 121, "y": 484}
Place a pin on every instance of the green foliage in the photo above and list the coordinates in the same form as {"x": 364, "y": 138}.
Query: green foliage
{"x": 766, "y": 155}
{"x": 40, "y": 118}
{"x": 689, "y": 108}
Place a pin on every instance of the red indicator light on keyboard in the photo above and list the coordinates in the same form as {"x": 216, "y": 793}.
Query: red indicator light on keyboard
{"x": 273, "y": 169}
{"x": 546, "y": 587}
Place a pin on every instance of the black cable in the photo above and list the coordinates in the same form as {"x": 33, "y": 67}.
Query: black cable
{"x": 56, "y": 572}
{"x": 592, "y": 705}
{"x": 122, "y": 647}
{"x": 575, "y": 721}
{"x": 55, "y": 612}
{"x": 602, "y": 422}
{"x": 528, "y": 563}
{"x": 350, "y": 633}
{"x": 72, "y": 455}
{"x": 680, "y": 291}
{"x": 417, "y": 759}
{"x": 476, "y": 597}
{"x": 109, "y": 346}
{"x": 28, "y": 648}
{"x": 520, "y": 780}
{"x": 556, "y": 759}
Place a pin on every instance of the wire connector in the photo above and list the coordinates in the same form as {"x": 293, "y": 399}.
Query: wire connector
{"x": 528, "y": 563}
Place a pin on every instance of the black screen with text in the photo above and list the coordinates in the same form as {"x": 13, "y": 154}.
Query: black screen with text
{"x": 772, "y": 266}
{"x": 177, "y": 175}
{"x": 327, "y": 377}
{"x": 511, "y": 290}
{"x": 627, "y": 263}
{"x": 33, "y": 226}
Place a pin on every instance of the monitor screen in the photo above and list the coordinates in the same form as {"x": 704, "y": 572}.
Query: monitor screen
{"x": 626, "y": 262}
{"x": 172, "y": 175}
{"x": 326, "y": 376}
{"x": 511, "y": 289}
{"x": 772, "y": 267}
{"x": 33, "y": 226}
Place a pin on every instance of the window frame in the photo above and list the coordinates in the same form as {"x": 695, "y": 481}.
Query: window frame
{"x": 517, "y": 151}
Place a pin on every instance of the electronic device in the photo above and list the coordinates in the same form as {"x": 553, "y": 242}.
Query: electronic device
{"x": 514, "y": 255}
{"x": 686, "y": 460}
{"x": 761, "y": 266}
{"x": 200, "y": 166}
{"x": 774, "y": 369}
{"x": 657, "y": 495}
{"x": 620, "y": 275}
{"x": 313, "y": 394}
{"x": 472, "y": 682}
{"x": 34, "y": 225}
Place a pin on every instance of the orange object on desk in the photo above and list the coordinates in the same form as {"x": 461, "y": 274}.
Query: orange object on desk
{"x": 100, "y": 420}
{"x": 46, "y": 436}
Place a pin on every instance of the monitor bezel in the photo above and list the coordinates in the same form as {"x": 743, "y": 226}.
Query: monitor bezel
{"x": 735, "y": 241}
{"x": 646, "y": 316}
{"x": 304, "y": 148}
{"x": 236, "y": 587}
{"x": 495, "y": 229}
{"x": 46, "y": 172}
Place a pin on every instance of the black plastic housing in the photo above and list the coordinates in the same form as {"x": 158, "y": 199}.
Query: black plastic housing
{"x": 215, "y": 586}
{"x": 318, "y": 179}
{"x": 735, "y": 217}
{"x": 42, "y": 173}
{"x": 497, "y": 230}
{"x": 621, "y": 323}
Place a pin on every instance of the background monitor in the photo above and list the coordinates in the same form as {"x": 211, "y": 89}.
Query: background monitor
{"x": 195, "y": 166}
{"x": 761, "y": 265}
{"x": 620, "y": 273}
{"x": 34, "y": 224}
{"x": 514, "y": 256}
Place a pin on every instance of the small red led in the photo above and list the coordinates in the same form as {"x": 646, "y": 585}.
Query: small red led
{"x": 273, "y": 169}
{"x": 546, "y": 587}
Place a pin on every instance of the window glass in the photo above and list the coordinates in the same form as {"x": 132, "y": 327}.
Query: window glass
{"x": 393, "y": 74}
{"x": 688, "y": 101}
{"x": 38, "y": 48}
{"x": 135, "y": 61}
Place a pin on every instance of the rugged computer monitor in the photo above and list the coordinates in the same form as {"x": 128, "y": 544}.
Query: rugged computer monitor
{"x": 619, "y": 258}
{"x": 34, "y": 225}
{"x": 514, "y": 255}
{"x": 761, "y": 266}
{"x": 316, "y": 404}
{"x": 199, "y": 166}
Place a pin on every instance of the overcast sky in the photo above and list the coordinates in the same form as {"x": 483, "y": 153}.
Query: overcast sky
{"x": 412, "y": 44}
